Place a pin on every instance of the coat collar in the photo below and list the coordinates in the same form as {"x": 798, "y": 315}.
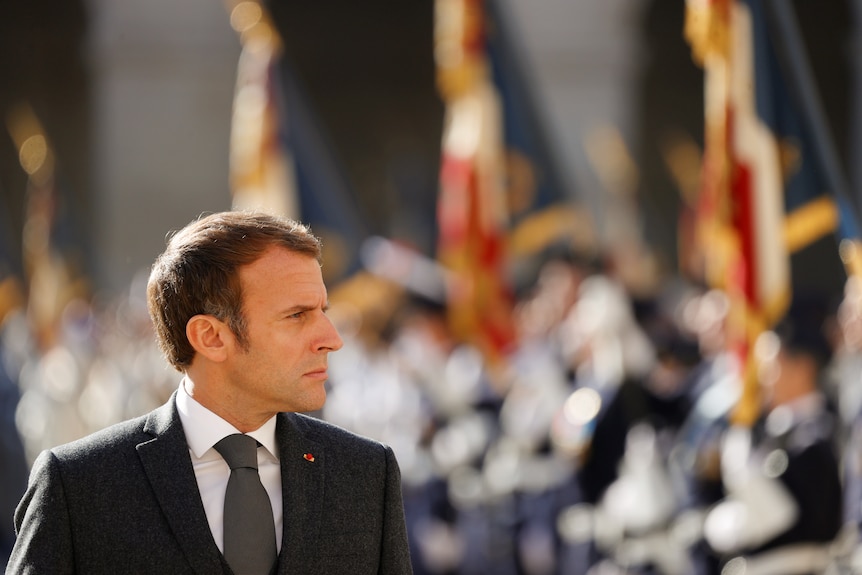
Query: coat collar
{"x": 303, "y": 464}
{"x": 168, "y": 467}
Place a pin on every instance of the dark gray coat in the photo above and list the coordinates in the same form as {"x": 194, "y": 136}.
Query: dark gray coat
{"x": 125, "y": 500}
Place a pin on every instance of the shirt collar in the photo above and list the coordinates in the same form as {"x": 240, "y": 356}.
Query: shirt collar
{"x": 807, "y": 406}
{"x": 203, "y": 428}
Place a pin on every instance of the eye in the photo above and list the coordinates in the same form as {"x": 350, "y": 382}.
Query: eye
{"x": 297, "y": 315}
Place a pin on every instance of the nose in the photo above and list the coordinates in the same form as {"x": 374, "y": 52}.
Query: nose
{"x": 329, "y": 338}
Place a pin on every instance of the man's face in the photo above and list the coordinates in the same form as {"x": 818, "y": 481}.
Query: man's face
{"x": 790, "y": 376}
{"x": 288, "y": 335}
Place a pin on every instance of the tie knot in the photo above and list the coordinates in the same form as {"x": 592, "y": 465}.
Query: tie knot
{"x": 238, "y": 450}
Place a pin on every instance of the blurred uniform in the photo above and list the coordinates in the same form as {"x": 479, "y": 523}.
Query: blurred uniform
{"x": 623, "y": 474}
{"x": 784, "y": 509}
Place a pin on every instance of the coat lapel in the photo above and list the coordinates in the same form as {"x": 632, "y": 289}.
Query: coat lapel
{"x": 169, "y": 469}
{"x": 303, "y": 464}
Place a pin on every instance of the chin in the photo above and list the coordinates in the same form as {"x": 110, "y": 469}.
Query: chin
{"x": 311, "y": 402}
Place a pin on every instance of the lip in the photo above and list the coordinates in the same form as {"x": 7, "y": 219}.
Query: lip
{"x": 317, "y": 374}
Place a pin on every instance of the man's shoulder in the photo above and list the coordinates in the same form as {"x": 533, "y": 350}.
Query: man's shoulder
{"x": 111, "y": 439}
{"x": 328, "y": 433}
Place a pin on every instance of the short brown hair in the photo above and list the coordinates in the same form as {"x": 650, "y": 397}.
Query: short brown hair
{"x": 198, "y": 273}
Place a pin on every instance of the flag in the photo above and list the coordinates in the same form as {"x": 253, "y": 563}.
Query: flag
{"x": 11, "y": 292}
{"x": 52, "y": 275}
{"x": 472, "y": 214}
{"x": 532, "y": 176}
{"x": 539, "y": 206}
{"x": 10, "y": 262}
{"x": 326, "y": 199}
{"x": 764, "y": 193}
{"x": 280, "y": 160}
{"x": 261, "y": 174}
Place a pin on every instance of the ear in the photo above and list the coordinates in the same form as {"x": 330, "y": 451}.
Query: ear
{"x": 209, "y": 336}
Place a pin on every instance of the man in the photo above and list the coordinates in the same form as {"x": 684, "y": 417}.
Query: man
{"x": 784, "y": 509}
{"x": 238, "y": 303}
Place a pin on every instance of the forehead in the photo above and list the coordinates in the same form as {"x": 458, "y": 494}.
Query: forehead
{"x": 280, "y": 270}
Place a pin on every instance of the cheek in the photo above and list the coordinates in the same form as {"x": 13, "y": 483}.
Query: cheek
{"x": 282, "y": 353}
{"x": 286, "y": 344}
{"x": 768, "y": 373}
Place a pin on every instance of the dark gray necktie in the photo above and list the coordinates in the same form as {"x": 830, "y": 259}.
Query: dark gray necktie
{"x": 249, "y": 531}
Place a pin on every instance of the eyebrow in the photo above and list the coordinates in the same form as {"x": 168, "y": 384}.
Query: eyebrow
{"x": 301, "y": 307}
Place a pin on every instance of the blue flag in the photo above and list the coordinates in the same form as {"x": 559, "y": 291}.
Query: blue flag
{"x": 534, "y": 180}
{"x": 326, "y": 200}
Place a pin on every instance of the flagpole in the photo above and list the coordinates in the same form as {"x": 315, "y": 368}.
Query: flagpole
{"x": 791, "y": 53}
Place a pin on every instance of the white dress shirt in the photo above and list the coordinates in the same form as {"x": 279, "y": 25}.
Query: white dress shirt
{"x": 203, "y": 429}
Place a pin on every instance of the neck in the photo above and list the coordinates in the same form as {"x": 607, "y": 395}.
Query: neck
{"x": 228, "y": 408}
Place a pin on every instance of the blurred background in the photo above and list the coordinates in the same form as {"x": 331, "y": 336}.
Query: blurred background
{"x": 476, "y": 169}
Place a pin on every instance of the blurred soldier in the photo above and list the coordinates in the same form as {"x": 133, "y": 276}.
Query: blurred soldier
{"x": 610, "y": 354}
{"x": 784, "y": 508}
{"x": 650, "y": 412}
{"x": 13, "y": 463}
{"x": 694, "y": 461}
{"x": 655, "y": 391}
{"x": 634, "y": 380}
{"x": 845, "y": 369}
{"x": 847, "y": 393}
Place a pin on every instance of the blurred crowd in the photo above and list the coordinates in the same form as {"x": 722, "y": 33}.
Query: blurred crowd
{"x": 604, "y": 443}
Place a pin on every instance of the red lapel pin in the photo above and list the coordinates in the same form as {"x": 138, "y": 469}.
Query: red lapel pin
{"x": 308, "y": 457}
